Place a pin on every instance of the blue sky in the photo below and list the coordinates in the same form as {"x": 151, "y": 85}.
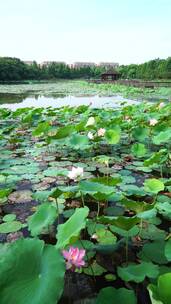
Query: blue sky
{"x": 124, "y": 31}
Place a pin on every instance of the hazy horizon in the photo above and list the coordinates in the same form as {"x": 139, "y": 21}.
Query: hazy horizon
{"x": 125, "y": 31}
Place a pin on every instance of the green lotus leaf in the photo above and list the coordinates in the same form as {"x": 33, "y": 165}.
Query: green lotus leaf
{"x": 113, "y": 136}
{"x": 104, "y": 236}
{"x": 41, "y": 129}
{"x": 110, "y": 277}
{"x": 78, "y": 141}
{"x": 109, "y": 181}
{"x": 56, "y": 193}
{"x": 151, "y": 232}
{"x": 42, "y": 218}
{"x": 120, "y": 296}
{"x": 70, "y": 230}
{"x": 125, "y": 233}
{"x": 94, "y": 270}
{"x": 136, "y": 206}
{"x": 164, "y": 208}
{"x": 92, "y": 226}
{"x": 140, "y": 133}
{"x": 41, "y": 196}
{"x": 125, "y": 223}
{"x": 101, "y": 196}
{"x": 4, "y": 193}
{"x": 63, "y": 132}
{"x": 133, "y": 190}
{"x": 153, "y": 185}
{"x": 12, "y": 226}
{"x": 162, "y": 137}
{"x": 114, "y": 211}
{"x": 127, "y": 179}
{"x": 55, "y": 172}
{"x": 31, "y": 272}
{"x": 9, "y": 217}
{"x": 138, "y": 272}
{"x": 161, "y": 294}
{"x": 154, "y": 251}
{"x": 94, "y": 187}
{"x": 168, "y": 250}
{"x": 148, "y": 214}
{"x": 138, "y": 150}
{"x": 156, "y": 158}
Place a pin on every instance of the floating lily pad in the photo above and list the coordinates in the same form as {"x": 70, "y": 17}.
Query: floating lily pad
{"x": 11, "y": 226}
{"x": 94, "y": 269}
{"x": 154, "y": 252}
{"x": 153, "y": 185}
{"x": 9, "y": 217}
{"x": 20, "y": 196}
{"x": 121, "y": 296}
{"x": 138, "y": 272}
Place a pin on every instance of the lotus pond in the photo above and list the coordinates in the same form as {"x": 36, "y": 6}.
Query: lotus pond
{"x": 85, "y": 205}
{"x": 75, "y": 93}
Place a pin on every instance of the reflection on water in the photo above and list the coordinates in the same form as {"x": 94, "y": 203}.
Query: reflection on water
{"x": 55, "y": 100}
{"x": 15, "y": 101}
{"x": 18, "y": 98}
{"x": 11, "y": 98}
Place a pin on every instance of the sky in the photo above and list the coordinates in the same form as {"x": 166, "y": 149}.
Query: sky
{"x": 123, "y": 31}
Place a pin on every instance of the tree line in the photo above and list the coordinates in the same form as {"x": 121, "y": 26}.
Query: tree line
{"x": 153, "y": 69}
{"x": 13, "y": 69}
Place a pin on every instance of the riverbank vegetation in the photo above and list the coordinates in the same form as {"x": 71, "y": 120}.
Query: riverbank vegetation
{"x": 13, "y": 69}
{"x": 153, "y": 69}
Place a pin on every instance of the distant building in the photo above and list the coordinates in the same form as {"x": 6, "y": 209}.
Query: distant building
{"x": 83, "y": 64}
{"x": 108, "y": 65}
{"x": 29, "y": 62}
{"x": 47, "y": 63}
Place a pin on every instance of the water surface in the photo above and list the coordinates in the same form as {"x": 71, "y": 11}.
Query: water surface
{"x": 14, "y": 101}
{"x": 68, "y": 93}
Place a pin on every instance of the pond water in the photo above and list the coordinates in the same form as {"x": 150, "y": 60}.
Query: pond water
{"x": 71, "y": 93}
{"x": 14, "y": 101}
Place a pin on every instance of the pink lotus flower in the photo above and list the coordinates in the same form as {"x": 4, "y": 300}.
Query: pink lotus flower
{"x": 101, "y": 132}
{"x": 153, "y": 121}
{"x": 74, "y": 258}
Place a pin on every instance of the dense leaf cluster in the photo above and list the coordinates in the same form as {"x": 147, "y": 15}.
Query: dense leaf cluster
{"x": 118, "y": 211}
